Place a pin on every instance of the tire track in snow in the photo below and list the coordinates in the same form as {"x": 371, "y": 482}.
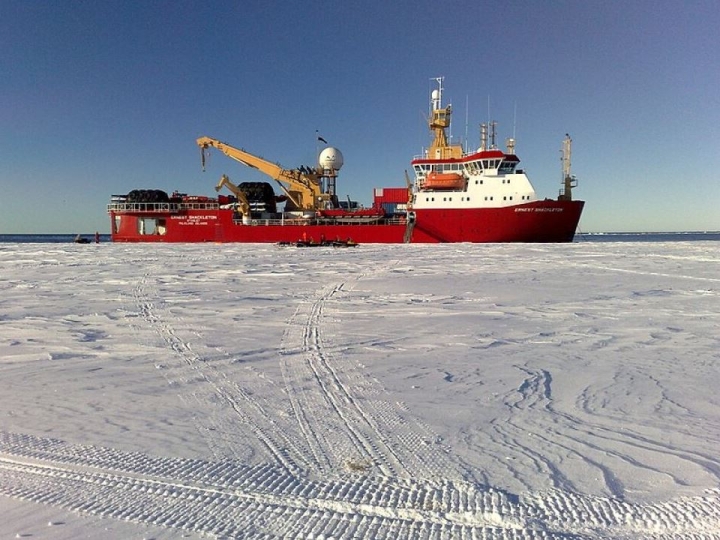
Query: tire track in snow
{"x": 330, "y": 397}
{"x": 359, "y": 438}
{"x": 333, "y": 423}
{"x": 227, "y": 402}
{"x": 231, "y": 500}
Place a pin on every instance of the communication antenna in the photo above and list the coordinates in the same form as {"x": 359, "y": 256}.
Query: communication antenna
{"x": 466, "y": 122}
{"x": 488, "y": 118}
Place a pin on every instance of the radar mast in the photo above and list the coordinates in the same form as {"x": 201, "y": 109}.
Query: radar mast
{"x": 439, "y": 122}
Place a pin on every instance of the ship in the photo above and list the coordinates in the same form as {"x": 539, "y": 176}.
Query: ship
{"x": 455, "y": 195}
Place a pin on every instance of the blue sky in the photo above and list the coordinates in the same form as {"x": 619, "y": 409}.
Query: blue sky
{"x": 102, "y": 97}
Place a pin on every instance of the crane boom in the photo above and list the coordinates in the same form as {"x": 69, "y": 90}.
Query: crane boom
{"x": 304, "y": 186}
{"x": 243, "y": 204}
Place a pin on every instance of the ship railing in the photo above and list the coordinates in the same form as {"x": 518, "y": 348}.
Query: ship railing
{"x": 158, "y": 207}
{"x": 395, "y": 220}
{"x": 199, "y": 206}
{"x": 142, "y": 207}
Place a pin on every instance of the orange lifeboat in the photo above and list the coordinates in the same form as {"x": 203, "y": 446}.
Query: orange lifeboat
{"x": 444, "y": 181}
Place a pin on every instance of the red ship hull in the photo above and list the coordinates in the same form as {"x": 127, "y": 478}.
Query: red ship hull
{"x": 539, "y": 221}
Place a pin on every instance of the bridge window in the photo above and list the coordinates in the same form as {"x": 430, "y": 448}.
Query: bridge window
{"x": 508, "y": 167}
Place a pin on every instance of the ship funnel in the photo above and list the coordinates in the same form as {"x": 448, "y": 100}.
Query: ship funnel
{"x": 483, "y": 137}
{"x": 510, "y": 143}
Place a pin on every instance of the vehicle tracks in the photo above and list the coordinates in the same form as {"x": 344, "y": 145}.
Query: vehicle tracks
{"x": 231, "y": 500}
{"x": 226, "y": 410}
{"x": 340, "y": 408}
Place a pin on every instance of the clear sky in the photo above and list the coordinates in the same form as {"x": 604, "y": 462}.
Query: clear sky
{"x": 102, "y": 97}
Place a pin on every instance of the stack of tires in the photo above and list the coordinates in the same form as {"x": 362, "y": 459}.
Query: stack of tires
{"x": 147, "y": 196}
{"x": 260, "y": 195}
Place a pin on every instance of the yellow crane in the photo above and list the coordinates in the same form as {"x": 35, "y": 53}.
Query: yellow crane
{"x": 303, "y": 186}
{"x": 243, "y": 205}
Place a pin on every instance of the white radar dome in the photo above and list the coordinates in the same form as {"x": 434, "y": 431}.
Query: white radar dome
{"x": 331, "y": 158}
{"x": 435, "y": 94}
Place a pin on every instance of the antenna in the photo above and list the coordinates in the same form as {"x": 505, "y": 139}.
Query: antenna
{"x": 466, "y": 122}
{"x": 514, "y": 119}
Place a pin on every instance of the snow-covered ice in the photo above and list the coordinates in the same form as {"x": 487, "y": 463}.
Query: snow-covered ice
{"x": 394, "y": 392}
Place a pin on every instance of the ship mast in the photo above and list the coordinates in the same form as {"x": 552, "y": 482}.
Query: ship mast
{"x": 439, "y": 122}
{"x": 569, "y": 181}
